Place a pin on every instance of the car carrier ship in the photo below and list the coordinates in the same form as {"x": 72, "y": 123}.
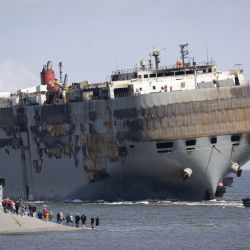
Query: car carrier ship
{"x": 150, "y": 132}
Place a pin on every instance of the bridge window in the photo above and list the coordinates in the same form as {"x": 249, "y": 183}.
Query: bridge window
{"x": 169, "y": 73}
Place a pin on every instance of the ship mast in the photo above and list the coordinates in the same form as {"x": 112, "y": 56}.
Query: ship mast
{"x": 184, "y": 53}
{"x": 156, "y": 54}
{"x": 60, "y": 71}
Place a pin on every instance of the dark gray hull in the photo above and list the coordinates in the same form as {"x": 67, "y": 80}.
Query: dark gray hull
{"x": 106, "y": 149}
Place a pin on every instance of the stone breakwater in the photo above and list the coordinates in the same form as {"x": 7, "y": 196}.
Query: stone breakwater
{"x": 15, "y": 224}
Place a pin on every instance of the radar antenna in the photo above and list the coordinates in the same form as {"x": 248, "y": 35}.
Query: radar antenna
{"x": 184, "y": 53}
{"x": 143, "y": 64}
{"x": 156, "y": 54}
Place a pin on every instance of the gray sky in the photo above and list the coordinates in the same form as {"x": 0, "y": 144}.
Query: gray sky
{"x": 93, "y": 38}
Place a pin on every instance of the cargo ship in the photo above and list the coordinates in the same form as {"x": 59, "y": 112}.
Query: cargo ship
{"x": 150, "y": 132}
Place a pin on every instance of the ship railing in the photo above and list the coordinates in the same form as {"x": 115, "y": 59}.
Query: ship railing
{"x": 125, "y": 71}
{"x": 189, "y": 64}
{"x": 163, "y": 67}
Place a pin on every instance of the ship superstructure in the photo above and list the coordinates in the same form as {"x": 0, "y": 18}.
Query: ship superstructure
{"x": 152, "y": 132}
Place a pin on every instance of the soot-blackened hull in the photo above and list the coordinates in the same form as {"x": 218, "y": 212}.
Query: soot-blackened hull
{"x": 108, "y": 149}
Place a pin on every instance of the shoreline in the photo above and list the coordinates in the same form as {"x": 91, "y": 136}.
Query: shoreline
{"x": 12, "y": 224}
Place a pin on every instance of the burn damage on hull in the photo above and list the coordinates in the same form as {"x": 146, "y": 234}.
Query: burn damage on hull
{"x": 97, "y": 141}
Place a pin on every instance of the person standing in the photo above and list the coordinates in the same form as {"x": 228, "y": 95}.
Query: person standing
{"x": 46, "y": 215}
{"x": 58, "y": 218}
{"x": 61, "y": 218}
{"x": 77, "y": 220}
{"x": 92, "y": 222}
{"x": 40, "y": 215}
{"x": 51, "y": 215}
{"x": 67, "y": 219}
{"x": 71, "y": 220}
{"x": 97, "y": 221}
{"x": 17, "y": 207}
{"x": 83, "y": 219}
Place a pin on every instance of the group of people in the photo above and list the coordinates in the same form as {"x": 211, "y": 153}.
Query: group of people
{"x": 70, "y": 220}
{"x": 18, "y": 207}
{"x": 45, "y": 215}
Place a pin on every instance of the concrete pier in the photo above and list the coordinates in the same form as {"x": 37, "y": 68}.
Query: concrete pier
{"x": 15, "y": 224}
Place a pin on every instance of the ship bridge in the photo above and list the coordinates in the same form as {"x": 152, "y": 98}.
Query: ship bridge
{"x": 149, "y": 78}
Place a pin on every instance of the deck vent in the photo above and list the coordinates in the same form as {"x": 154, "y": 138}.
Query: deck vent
{"x": 235, "y": 138}
{"x": 213, "y": 140}
{"x": 190, "y": 143}
{"x": 168, "y": 144}
{"x": 131, "y": 146}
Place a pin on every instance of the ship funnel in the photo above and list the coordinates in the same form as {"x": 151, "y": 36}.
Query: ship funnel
{"x": 47, "y": 74}
{"x": 49, "y": 65}
{"x": 235, "y": 168}
{"x": 186, "y": 173}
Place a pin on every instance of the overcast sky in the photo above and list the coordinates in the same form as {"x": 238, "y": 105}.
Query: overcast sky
{"x": 93, "y": 38}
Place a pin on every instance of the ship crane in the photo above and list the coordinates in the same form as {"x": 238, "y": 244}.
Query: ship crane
{"x": 156, "y": 54}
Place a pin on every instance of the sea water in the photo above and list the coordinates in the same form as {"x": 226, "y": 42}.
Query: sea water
{"x": 222, "y": 224}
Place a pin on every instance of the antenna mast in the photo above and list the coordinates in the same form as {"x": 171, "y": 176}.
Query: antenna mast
{"x": 60, "y": 71}
{"x": 150, "y": 60}
{"x": 156, "y": 54}
{"x": 184, "y": 53}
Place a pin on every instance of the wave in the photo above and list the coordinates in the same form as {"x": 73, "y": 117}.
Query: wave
{"x": 222, "y": 203}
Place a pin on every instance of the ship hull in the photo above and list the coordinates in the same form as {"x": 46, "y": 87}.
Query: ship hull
{"x": 108, "y": 149}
